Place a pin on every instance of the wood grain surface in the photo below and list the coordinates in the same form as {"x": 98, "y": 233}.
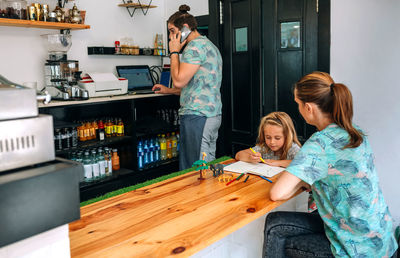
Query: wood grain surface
{"x": 176, "y": 217}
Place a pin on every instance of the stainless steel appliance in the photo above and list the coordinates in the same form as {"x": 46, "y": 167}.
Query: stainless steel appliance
{"x": 62, "y": 75}
{"x": 37, "y": 191}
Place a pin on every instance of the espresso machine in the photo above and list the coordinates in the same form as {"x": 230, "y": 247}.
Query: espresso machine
{"x": 62, "y": 75}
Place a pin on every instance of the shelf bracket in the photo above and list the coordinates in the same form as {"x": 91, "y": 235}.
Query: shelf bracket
{"x": 134, "y": 8}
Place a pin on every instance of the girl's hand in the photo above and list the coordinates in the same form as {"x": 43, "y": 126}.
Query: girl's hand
{"x": 255, "y": 157}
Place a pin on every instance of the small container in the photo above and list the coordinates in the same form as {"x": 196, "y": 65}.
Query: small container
{"x": 52, "y": 17}
{"x": 31, "y": 13}
{"x": 117, "y": 47}
{"x": 16, "y": 9}
{"x": 3, "y": 11}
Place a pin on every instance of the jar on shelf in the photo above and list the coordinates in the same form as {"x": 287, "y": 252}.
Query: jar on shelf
{"x": 16, "y": 9}
{"x": 3, "y": 12}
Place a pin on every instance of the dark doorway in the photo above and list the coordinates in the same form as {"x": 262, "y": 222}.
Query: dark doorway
{"x": 267, "y": 45}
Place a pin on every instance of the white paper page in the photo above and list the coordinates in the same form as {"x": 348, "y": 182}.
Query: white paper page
{"x": 102, "y": 77}
{"x": 258, "y": 169}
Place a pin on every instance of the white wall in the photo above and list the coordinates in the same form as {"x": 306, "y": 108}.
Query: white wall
{"x": 197, "y": 7}
{"x": 23, "y": 54}
{"x": 365, "y": 56}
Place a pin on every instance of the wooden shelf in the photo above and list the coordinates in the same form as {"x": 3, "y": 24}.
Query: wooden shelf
{"x": 137, "y": 5}
{"x": 42, "y": 24}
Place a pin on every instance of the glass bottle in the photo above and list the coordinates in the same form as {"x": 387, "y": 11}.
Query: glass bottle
{"x": 140, "y": 155}
{"x": 151, "y": 151}
{"x": 115, "y": 127}
{"x": 107, "y": 158}
{"x": 120, "y": 128}
{"x": 115, "y": 160}
{"x": 156, "y": 149}
{"x": 163, "y": 147}
{"x": 174, "y": 141}
{"x": 102, "y": 163}
{"x": 146, "y": 153}
{"x": 95, "y": 165}
{"x": 101, "y": 132}
{"x": 87, "y": 166}
{"x": 169, "y": 147}
{"x": 95, "y": 129}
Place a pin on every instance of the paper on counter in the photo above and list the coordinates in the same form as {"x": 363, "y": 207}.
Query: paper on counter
{"x": 258, "y": 169}
{"x": 102, "y": 77}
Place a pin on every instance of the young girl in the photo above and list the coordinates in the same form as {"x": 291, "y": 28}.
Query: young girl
{"x": 337, "y": 162}
{"x": 277, "y": 141}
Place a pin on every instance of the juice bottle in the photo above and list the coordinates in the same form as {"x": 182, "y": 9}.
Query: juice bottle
{"x": 163, "y": 147}
{"x": 174, "y": 145}
{"x": 120, "y": 128}
{"x": 169, "y": 147}
{"x": 108, "y": 128}
{"x": 95, "y": 128}
{"x": 87, "y": 131}
{"x": 115, "y": 127}
{"x": 101, "y": 132}
{"x": 115, "y": 160}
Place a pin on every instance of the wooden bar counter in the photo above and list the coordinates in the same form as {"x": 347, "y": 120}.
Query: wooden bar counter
{"x": 176, "y": 217}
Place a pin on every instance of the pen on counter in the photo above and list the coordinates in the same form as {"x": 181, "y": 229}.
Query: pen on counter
{"x": 230, "y": 181}
{"x": 266, "y": 179}
{"x": 246, "y": 178}
{"x": 260, "y": 157}
{"x": 238, "y": 178}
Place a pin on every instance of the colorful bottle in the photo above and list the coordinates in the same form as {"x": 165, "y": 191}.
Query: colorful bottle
{"x": 169, "y": 147}
{"x": 177, "y": 143}
{"x": 140, "y": 155}
{"x": 151, "y": 151}
{"x": 101, "y": 132}
{"x": 115, "y": 160}
{"x": 174, "y": 141}
{"x": 146, "y": 153}
{"x": 163, "y": 147}
{"x": 156, "y": 149}
{"x": 120, "y": 128}
{"x": 115, "y": 127}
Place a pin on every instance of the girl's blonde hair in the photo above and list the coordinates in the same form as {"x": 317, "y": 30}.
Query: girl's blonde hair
{"x": 283, "y": 120}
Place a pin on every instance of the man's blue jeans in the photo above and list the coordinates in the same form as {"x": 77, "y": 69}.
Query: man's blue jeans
{"x": 295, "y": 234}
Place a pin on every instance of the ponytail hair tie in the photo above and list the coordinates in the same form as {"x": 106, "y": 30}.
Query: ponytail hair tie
{"x": 333, "y": 84}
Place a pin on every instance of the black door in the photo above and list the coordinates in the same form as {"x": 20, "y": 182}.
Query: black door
{"x": 242, "y": 70}
{"x": 267, "y": 45}
{"x": 290, "y": 37}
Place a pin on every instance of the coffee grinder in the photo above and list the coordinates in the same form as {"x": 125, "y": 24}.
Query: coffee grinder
{"x": 62, "y": 75}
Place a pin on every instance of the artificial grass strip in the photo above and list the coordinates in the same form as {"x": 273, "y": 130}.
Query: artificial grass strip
{"x": 146, "y": 183}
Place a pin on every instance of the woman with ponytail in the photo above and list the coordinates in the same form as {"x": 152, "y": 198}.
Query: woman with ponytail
{"x": 336, "y": 163}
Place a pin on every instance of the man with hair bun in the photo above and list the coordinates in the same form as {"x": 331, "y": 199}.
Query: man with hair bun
{"x": 196, "y": 77}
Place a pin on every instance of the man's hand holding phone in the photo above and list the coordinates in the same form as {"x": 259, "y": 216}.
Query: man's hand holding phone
{"x": 175, "y": 44}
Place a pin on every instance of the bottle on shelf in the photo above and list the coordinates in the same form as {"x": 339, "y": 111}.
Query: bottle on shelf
{"x": 95, "y": 165}
{"x": 87, "y": 165}
{"x": 169, "y": 147}
{"x": 101, "y": 132}
{"x": 146, "y": 153}
{"x": 108, "y": 165}
{"x": 120, "y": 128}
{"x": 140, "y": 155}
{"x": 157, "y": 149}
{"x": 115, "y": 160}
{"x": 115, "y": 127}
{"x": 174, "y": 141}
{"x": 74, "y": 137}
{"x": 163, "y": 147}
{"x": 109, "y": 128}
{"x": 177, "y": 142}
{"x": 151, "y": 151}
{"x": 79, "y": 157}
{"x": 102, "y": 163}
{"x": 95, "y": 129}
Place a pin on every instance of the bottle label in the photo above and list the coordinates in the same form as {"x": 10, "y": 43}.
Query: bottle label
{"x": 119, "y": 129}
{"x": 163, "y": 145}
{"x": 109, "y": 167}
{"x": 101, "y": 136}
{"x": 88, "y": 171}
{"x": 108, "y": 130}
{"x": 103, "y": 167}
{"x": 96, "y": 170}
{"x": 114, "y": 128}
{"x": 174, "y": 144}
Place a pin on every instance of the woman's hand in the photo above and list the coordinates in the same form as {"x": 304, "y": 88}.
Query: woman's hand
{"x": 161, "y": 89}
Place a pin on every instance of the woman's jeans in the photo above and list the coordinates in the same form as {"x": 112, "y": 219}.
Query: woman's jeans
{"x": 295, "y": 234}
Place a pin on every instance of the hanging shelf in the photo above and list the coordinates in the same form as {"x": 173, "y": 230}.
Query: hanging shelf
{"x": 129, "y": 5}
{"x": 42, "y": 24}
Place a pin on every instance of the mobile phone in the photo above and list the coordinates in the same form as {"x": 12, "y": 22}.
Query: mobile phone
{"x": 185, "y": 32}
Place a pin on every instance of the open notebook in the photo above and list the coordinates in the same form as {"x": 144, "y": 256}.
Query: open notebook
{"x": 257, "y": 169}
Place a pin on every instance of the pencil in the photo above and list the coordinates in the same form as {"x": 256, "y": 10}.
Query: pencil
{"x": 256, "y": 152}
{"x": 266, "y": 179}
{"x": 238, "y": 178}
{"x": 246, "y": 178}
{"x": 231, "y": 181}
